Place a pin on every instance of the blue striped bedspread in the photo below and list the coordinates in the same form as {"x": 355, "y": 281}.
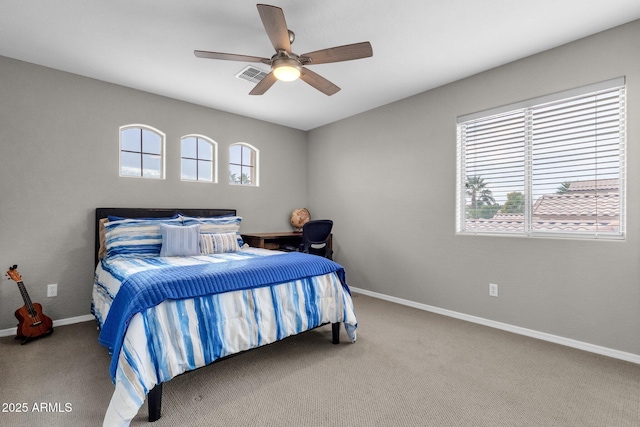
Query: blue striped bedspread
{"x": 196, "y": 320}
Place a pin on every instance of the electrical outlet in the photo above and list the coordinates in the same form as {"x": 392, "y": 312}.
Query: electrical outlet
{"x": 493, "y": 290}
{"x": 52, "y": 290}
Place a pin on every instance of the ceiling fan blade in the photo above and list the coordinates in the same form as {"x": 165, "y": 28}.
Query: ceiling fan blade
{"x": 230, "y": 56}
{"x": 264, "y": 84}
{"x": 318, "y": 82}
{"x": 275, "y": 26}
{"x": 339, "y": 53}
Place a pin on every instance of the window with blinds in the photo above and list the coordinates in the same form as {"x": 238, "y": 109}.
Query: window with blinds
{"x": 551, "y": 166}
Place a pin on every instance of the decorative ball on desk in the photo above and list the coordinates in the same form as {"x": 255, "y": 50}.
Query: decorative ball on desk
{"x": 299, "y": 217}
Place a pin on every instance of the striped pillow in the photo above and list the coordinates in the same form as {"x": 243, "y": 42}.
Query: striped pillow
{"x": 216, "y": 225}
{"x": 218, "y": 243}
{"x": 179, "y": 241}
{"x": 102, "y": 251}
{"x": 135, "y": 238}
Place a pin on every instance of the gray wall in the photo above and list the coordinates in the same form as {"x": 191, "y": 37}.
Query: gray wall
{"x": 59, "y": 161}
{"x": 387, "y": 178}
{"x": 391, "y": 192}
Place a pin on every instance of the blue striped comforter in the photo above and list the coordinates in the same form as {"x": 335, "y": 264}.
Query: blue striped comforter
{"x": 269, "y": 296}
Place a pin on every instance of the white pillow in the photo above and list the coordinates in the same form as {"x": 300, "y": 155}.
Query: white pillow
{"x": 179, "y": 240}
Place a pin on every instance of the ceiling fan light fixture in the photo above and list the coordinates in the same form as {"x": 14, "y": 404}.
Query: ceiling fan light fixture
{"x": 286, "y": 69}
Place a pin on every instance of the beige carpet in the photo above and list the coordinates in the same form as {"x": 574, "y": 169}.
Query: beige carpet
{"x": 408, "y": 368}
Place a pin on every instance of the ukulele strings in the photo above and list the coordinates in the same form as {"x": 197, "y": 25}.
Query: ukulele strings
{"x": 30, "y": 308}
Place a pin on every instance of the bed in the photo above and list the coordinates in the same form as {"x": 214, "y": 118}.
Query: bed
{"x": 177, "y": 289}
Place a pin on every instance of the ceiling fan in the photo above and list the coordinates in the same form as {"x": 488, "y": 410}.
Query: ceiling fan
{"x": 286, "y": 65}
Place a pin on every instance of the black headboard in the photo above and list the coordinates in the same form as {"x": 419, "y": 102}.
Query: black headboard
{"x": 150, "y": 213}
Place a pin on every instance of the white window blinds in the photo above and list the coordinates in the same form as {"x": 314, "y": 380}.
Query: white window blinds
{"x": 553, "y": 165}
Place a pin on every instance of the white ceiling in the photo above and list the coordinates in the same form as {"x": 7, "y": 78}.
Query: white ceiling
{"x": 417, "y": 45}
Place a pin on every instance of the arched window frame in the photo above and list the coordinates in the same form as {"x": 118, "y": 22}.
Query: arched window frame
{"x": 198, "y": 158}
{"x": 144, "y": 154}
{"x": 250, "y": 165}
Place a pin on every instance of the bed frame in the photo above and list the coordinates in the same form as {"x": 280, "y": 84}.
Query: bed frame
{"x": 154, "y": 396}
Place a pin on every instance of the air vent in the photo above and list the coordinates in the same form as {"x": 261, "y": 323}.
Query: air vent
{"x": 252, "y": 74}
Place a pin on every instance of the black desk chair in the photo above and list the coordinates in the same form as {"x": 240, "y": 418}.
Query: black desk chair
{"x": 315, "y": 238}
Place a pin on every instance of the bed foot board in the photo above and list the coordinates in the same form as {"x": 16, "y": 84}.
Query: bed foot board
{"x": 155, "y": 403}
{"x": 335, "y": 333}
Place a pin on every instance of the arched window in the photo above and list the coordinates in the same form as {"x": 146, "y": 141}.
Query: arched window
{"x": 199, "y": 159}
{"x": 141, "y": 152}
{"x": 243, "y": 164}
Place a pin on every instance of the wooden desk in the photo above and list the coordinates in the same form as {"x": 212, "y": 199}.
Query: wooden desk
{"x": 275, "y": 240}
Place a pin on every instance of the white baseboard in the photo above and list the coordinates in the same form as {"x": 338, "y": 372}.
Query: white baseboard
{"x": 12, "y": 331}
{"x": 616, "y": 354}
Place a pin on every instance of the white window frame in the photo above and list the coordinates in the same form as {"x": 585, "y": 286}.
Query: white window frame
{"x": 162, "y": 151}
{"x": 527, "y": 160}
{"x": 214, "y": 159}
{"x": 255, "y": 164}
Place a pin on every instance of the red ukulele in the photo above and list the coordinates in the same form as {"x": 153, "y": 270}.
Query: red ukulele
{"x": 31, "y": 322}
